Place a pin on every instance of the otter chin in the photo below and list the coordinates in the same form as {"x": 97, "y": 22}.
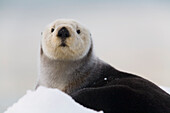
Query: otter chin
{"x": 67, "y": 62}
{"x": 66, "y": 40}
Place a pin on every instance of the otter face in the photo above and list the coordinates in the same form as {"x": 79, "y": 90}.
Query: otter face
{"x": 66, "y": 40}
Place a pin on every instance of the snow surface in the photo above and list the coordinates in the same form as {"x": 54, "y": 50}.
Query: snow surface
{"x": 47, "y": 100}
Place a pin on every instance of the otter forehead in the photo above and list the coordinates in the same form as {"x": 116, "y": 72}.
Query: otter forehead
{"x": 66, "y": 39}
{"x": 70, "y": 22}
{"x": 64, "y": 21}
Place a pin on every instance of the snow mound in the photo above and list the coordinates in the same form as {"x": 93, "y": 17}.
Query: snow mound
{"x": 47, "y": 100}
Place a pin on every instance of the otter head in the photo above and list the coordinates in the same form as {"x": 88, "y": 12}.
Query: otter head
{"x": 66, "y": 39}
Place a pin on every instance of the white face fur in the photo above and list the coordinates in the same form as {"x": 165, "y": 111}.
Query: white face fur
{"x": 78, "y": 43}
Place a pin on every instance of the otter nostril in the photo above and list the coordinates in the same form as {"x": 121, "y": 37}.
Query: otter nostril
{"x": 63, "y": 33}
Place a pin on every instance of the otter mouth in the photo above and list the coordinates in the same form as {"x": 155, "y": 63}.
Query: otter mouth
{"x": 63, "y": 45}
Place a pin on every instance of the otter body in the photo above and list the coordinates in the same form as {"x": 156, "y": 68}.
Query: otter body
{"x": 67, "y": 62}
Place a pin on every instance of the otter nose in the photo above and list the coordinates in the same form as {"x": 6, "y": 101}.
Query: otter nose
{"x": 63, "y": 33}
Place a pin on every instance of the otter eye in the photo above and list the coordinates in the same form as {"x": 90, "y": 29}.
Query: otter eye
{"x": 52, "y": 30}
{"x": 78, "y": 31}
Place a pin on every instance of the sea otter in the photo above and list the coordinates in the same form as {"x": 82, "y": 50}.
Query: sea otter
{"x": 67, "y": 62}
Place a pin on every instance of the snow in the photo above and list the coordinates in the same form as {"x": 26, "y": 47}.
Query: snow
{"x": 47, "y": 100}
